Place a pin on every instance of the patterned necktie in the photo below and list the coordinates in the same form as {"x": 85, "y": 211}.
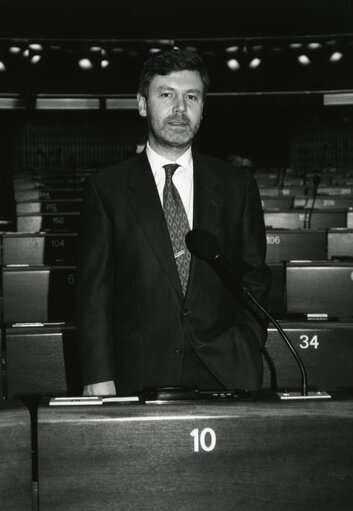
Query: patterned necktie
{"x": 178, "y": 224}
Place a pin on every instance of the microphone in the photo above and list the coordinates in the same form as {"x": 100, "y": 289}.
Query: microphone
{"x": 204, "y": 245}
{"x": 316, "y": 183}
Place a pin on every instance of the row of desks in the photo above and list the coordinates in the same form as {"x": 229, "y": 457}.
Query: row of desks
{"x": 282, "y": 245}
{"x": 260, "y": 454}
{"x": 41, "y": 360}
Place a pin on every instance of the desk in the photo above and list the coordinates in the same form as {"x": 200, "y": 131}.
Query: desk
{"x": 253, "y": 455}
{"x": 15, "y": 457}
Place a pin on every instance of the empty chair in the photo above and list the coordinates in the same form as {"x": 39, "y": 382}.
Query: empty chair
{"x": 302, "y": 218}
{"x": 325, "y": 347}
{"x": 299, "y": 244}
{"x": 48, "y": 193}
{"x": 277, "y": 203}
{"x": 39, "y": 248}
{"x": 41, "y": 360}
{"x": 340, "y": 243}
{"x": 38, "y": 294}
{"x": 32, "y": 222}
{"x": 324, "y": 202}
{"x": 320, "y": 287}
{"x": 49, "y": 206}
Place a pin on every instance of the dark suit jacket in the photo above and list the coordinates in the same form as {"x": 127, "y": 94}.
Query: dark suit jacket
{"x": 132, "y": 317}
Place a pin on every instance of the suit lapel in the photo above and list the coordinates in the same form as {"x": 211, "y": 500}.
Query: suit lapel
{"x": 207, "y": 202}
{"x": 146, "y": 205}
{"x": 207, "y": 195}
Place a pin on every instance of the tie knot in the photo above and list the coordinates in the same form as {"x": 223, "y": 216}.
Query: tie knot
{"x": 170, "y": 168}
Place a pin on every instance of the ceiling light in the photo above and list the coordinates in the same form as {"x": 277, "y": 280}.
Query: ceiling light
{"x": 14, "y": 49}
{"x": 85, "y": 64}
{"x": 233, "y": 64}
{"x": 314, "y": 46}
{"x": 35, "y": 59}
{"x": 35, "y": 47}
{"x": 255, "y": 63}
{"x": 304, "y": 60}
{"x": 232, "y": 49}
{"x": 336, "y": 56}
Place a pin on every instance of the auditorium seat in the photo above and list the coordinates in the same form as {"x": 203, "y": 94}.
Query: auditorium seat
{"x": 325, "y": 347}
{"x": 31, "y": 222}
{"x": 350, "y": 218}
{"x": 41, "y": 360}
{"x": 279, "y": 191}
{"x": 277, "y": 203}
{"x": 320, "y": 287}
{"x": 340, "y": 243}
{"x": 48, "y": 206}
{"x": 39, "y": 248}
{"x": 38, "y": 294}
{"x": 298, "y": 244}
{"x": 299, "y": 219}
{"x": 336, "y": 190}
{"x": 48, "y": 193}
{"x": 324, "y": 202}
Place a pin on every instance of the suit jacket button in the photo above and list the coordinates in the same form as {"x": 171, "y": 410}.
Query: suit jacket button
{"x": 179, "y": 351}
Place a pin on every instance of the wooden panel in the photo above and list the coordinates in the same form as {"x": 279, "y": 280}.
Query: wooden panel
{"x": 325, "y": 287}
{"x": 15, "y": 457}
{"x": 298, "y": 244}
{"x": 325, "y": 347}
{"x": 42, "y": 361}
{"x": 38, "y": 248}
{"x": 267, "y": 456}
{"x": 43, "y": 294}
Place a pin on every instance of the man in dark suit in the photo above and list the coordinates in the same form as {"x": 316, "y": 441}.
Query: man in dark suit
{"x": 149, "y": 314}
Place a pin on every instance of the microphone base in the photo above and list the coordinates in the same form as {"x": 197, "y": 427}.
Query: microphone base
{"x": 320, "y": 394}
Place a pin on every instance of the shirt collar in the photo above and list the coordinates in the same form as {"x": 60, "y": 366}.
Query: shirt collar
{"x": 157, "y": 161}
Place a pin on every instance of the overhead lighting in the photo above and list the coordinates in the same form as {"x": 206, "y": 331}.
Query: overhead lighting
{"x": 14, "y": 49}
{"x": 85, "y": 64}
{"x": 154, "y": 50}
{"x": 35, "y": 59}
{"x": 314, "y": 46}
{"x": 304, "y": 60}
{"x": 26, "y": 53}
{"x": 295, "y": 46}
{"x": 232, "y": 49}
{"x": 35, "y": 47}
{"x": 336, "y": 56}
{"x": 233, "y": 64}
{"x": 254, "y": 63}
{"x": 105, "y": 63}
{"x": 2, "y": 66}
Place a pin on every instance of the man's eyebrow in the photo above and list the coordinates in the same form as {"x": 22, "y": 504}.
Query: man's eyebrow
{"x": 169, "y": 87}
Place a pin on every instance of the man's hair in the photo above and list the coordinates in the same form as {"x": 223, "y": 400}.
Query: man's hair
{"x": 169, "y": 61}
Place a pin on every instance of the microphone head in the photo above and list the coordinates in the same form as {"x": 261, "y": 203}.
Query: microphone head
{"x": 203, "y": 244}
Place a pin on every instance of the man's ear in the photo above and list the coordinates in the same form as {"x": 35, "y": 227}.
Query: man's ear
{"x": 142, "y": 105}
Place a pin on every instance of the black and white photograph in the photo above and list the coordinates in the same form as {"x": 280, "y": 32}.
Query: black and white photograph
{"x": 176, "y": 255}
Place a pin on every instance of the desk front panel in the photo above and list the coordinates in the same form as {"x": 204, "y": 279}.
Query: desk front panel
{"x": 244, "y": 456}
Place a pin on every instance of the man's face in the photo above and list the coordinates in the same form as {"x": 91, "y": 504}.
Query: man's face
{"x": 173, "y": 108}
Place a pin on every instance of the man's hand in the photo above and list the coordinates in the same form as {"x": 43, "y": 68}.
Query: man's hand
{"x": 104, "y": 388}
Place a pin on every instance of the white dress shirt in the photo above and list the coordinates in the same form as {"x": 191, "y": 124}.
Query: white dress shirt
{"x": 182, "y": 178}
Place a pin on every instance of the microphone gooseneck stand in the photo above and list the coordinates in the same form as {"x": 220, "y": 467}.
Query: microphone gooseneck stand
{"x": 204, "y": 245}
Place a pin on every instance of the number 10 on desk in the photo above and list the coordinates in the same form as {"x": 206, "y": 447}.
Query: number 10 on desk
{"x": 204, "y": 440}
